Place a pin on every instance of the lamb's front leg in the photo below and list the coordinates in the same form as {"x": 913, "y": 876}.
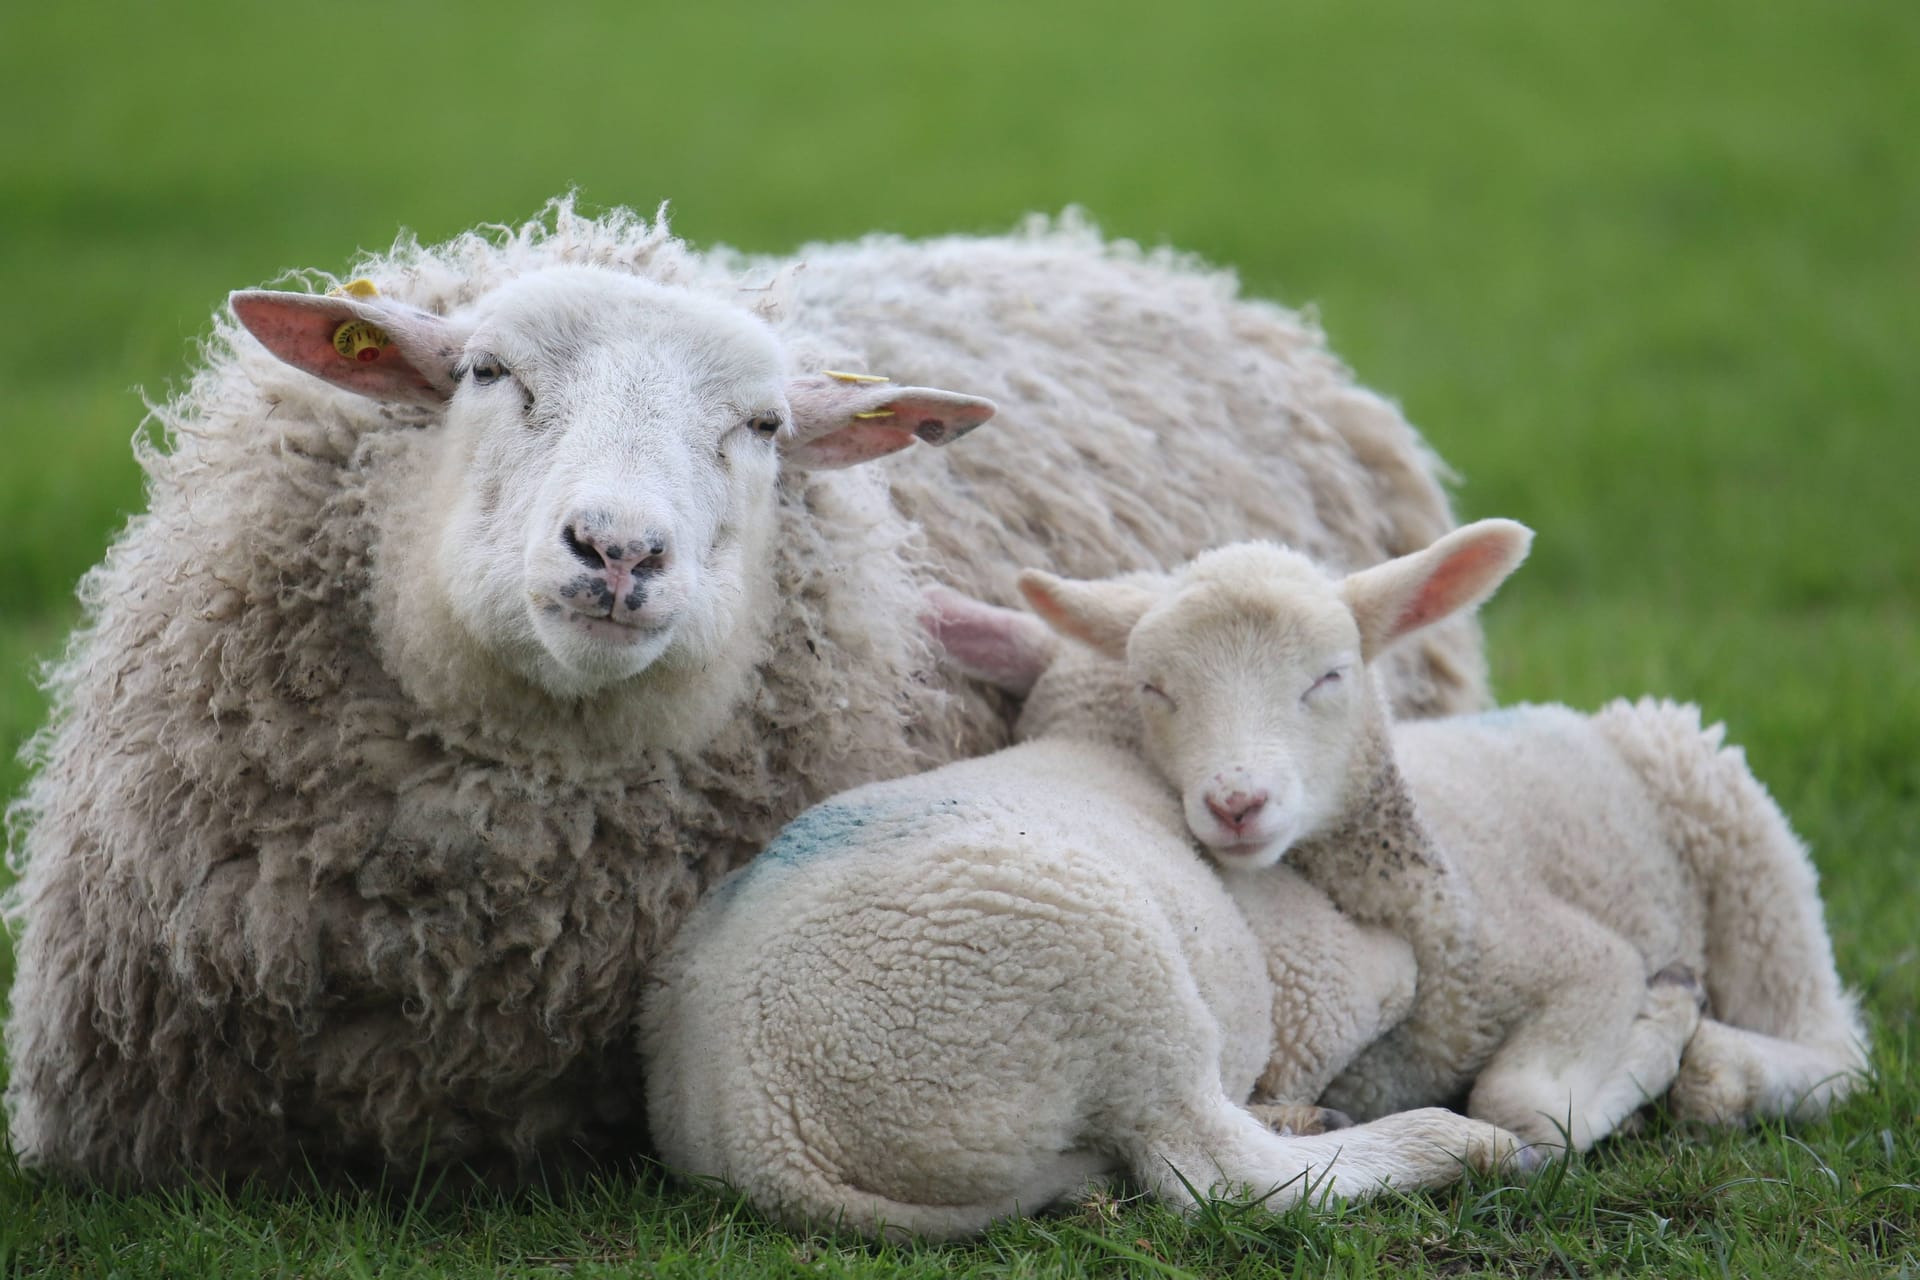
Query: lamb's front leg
{"x": 1604, "y": 1040}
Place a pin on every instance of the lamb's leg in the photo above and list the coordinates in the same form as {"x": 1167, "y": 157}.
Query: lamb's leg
{"x": 1730, "y": 1076}
{"x": 1787, "y": 1039}
{"x": 1607, "y": 1041}
{"x": 1220, "y": 1149}
{"x": 1298, "y": 1117}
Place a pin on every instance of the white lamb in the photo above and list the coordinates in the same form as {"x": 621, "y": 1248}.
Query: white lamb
{"x": 431, "y": 691}
{"x": 940, "y": 1000}
{"x": 1561, "y": 878}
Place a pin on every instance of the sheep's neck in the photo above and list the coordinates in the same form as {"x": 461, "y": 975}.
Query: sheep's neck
{"x": 1382, "y": 866}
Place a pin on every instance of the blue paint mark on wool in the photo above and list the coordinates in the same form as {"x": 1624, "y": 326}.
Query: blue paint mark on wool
{"x": 822, "y": 829}
{"x": 832, "y": 828}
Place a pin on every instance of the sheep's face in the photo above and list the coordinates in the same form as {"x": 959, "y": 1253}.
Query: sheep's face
{"x": 606, "y": 483}
{"x": 603, "y": 494}
{"x": 1254, "y": 700}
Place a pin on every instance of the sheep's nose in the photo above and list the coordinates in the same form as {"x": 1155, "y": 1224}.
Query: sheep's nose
{"x": 642, "y": 553}
{"x": 1235, "y": 809}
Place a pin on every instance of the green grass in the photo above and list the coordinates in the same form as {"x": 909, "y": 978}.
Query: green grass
{"x": 1644, "y": 272}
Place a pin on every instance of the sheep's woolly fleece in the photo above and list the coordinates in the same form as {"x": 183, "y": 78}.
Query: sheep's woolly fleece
{"x": 279, "y": 912}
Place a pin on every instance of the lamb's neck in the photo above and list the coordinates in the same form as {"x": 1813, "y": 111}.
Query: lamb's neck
{"x": 1382, "y": 865}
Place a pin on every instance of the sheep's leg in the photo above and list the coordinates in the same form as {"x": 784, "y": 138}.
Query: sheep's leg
{"x": 1787, "y": 1037}
{"x": 1607, "y": 1042}
{"x": 1219, "y": 1149}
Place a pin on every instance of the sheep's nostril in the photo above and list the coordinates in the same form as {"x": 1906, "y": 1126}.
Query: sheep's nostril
{"x": 585, "y": 552}
{"x": 1236, "y": 808}
{"x": 654, "y": 558}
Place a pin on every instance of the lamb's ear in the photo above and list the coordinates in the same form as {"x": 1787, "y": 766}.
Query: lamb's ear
{"x": 1004, "y": 647}
{"x": 376, "y": 348}
{"x": 1101, "y": 614}
{"x": 841, "y": 420}
{"x": 1457, "y": 572}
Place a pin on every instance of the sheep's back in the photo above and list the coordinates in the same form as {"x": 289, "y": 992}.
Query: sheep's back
{"x": 1146, "y": 413}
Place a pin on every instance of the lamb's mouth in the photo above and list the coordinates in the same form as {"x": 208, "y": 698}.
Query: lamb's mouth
{"x": 1251, "y": 847}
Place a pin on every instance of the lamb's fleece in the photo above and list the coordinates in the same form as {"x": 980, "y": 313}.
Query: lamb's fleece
{"x": 944, "y": 999}
{"x": 278, "y": 914}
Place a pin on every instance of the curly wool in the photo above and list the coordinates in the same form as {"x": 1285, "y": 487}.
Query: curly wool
{"x": 279, "y": 913}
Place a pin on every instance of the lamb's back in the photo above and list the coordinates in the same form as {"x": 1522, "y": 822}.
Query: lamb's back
{"x": 1532, "y": 800}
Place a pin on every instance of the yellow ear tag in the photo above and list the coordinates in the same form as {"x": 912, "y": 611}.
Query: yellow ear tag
{"x": 877, "y": 413}
{"x": 855, "y": 377}
{"x": 360, "y": 340}
{"x": 361, "y": 288}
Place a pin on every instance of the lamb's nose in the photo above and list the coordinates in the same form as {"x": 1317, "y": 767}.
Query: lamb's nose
{"x": 641, "y": 553}
{"x": 1235, "y": 809}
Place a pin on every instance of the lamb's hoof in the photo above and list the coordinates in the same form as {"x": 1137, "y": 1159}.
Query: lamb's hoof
{"x": 1298, "y": 1119}
{"x": 1709, "y": 1093}
{"x": 1682, "y": 976}
{"x": 1533, "y": 1157}
{"x": 1508, "y": 1155}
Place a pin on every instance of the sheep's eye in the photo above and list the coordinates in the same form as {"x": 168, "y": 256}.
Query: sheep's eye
{"x": 1155, "y": 693}
{"x": 485, "y": 370}
{"x": 1328, "y": 681}
{"x": 765, "y": 425}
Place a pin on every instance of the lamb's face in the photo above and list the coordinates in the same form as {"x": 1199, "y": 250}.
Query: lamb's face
{"x": 607, "y": 478}
{"x": 1254, "y": 700}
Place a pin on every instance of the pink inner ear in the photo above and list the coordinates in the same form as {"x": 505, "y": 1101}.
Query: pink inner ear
{"x": 849, "y": 446}
{"x": 1004, "y": 646}
{"x": 1458, "y": 579}
{"x": 300, "y": 328}
{"x": 837, "y": 423}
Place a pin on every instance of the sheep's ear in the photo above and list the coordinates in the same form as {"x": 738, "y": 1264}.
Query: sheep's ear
{"x": 1101, "y": 614}
{"x": 1457, "y": 572}
{"x": 841, "y": 420}
{"x": 1004, "y": 647}
{"x": 367, "y": 345}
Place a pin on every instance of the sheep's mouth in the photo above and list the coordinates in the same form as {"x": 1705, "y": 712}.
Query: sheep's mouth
{"x": 613, "y": 630}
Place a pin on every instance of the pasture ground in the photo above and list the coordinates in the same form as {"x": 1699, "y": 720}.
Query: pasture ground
{"x": 1645, "y": 273}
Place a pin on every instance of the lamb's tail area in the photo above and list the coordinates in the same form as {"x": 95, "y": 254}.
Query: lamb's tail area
{"x": 1785, "y": 1036}
{"x": 1227, "y": 1152}
{"x": 816, "y": 1200}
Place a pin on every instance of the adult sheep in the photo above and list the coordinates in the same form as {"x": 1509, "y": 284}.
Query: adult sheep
{"x": 430, "y": 691}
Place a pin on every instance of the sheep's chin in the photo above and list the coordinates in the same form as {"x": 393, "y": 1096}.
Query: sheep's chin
{"x": 581, "y": 656}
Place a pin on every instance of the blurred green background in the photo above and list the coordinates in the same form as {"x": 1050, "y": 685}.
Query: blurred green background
{"x": 1646, "y": 273}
